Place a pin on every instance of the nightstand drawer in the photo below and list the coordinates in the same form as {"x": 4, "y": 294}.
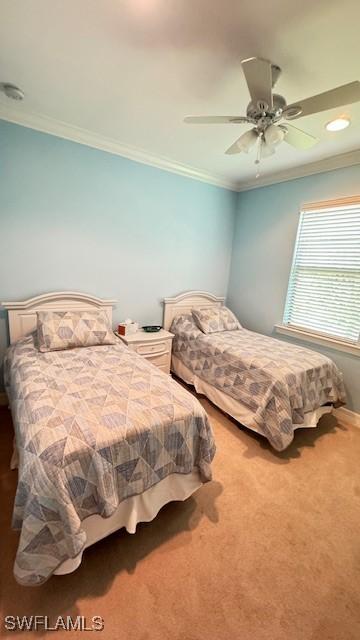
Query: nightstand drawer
{"x": 155, "y": 348}
{"x": 159, "y": 360}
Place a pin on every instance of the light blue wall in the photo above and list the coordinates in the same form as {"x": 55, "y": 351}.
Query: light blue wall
{"x": 75, "y": 218}
{"x": 72, "y": 217}
{"x": 263, "y": 246}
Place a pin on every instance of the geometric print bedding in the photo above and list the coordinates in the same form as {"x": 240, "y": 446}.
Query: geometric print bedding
{"x": 93, "y": 426}
{"x": 58, "y": 330}
{"x": 278, "y": 382}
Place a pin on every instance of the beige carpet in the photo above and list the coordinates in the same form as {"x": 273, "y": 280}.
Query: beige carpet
{"x": 270, "y": 550}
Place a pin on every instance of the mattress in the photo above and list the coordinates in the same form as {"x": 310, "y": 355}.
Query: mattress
{"x": 278, "y": 384}
{"x": 93, "y": 426}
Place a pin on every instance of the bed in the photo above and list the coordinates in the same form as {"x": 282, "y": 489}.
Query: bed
{"x": 268, "y": 385}
{"x": 104, "y": 440}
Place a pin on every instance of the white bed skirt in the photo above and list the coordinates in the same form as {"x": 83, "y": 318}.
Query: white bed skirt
{"x": 132, "y": 511}
{"x": 233, "y": 407}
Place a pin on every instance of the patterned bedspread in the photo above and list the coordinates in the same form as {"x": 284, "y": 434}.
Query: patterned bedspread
{"x": 277, "y": 381}
{"x": 93, "y": 427}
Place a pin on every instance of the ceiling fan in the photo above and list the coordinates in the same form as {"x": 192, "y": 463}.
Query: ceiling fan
{"x": 269, "y": 113}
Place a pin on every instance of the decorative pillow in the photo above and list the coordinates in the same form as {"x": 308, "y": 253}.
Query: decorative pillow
{"x": 184, "y": 325}
{"x": 215, "y": 319}
{"x": 58, "y": 330}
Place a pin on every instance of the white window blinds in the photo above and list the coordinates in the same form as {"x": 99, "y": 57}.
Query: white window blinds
{"x": 324, "y": 287}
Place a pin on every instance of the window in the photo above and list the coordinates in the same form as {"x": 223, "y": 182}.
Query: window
{"x": 324, "y": 288}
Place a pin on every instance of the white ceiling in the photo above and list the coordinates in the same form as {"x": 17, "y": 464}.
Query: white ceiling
{"x": 130, "y": 70}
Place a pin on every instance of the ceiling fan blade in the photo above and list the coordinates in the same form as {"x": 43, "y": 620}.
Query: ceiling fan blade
{"x": 258, "y": 74}
{"x": 346, "y": 94}
{"x": 298, "y": 138}
{"x": 215, "y": 119}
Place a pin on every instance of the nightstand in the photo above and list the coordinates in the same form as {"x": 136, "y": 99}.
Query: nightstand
{"x": 155, "y": 347}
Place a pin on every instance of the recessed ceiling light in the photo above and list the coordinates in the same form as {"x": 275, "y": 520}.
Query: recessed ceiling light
{"x": 338, "y": 124}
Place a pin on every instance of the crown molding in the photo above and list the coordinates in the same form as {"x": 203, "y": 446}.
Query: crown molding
{"x": 320, "y": 166}
{"x": 67, "y": 131}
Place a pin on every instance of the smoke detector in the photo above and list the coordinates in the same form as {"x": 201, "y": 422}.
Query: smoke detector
{"x": 11, "y": 91}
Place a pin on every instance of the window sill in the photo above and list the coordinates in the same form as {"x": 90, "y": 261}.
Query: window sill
{"x": 325, "y": 341}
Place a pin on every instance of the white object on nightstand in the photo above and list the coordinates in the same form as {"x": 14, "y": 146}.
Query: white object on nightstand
{"x": 155, "y": 347}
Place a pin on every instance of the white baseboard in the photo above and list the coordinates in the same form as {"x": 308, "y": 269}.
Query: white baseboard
{"x": 348, "y": 416}
{"x": 3, "y": 399}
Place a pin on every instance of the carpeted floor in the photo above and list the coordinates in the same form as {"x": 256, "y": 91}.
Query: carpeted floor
{"x": 270, "y": 550}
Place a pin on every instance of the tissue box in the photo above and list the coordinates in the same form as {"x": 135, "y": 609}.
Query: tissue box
{"x": 126, "y": 329}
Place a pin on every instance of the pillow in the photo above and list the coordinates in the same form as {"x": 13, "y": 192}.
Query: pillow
{"x": 184, "y": 325}
{"x": 58, "y": 330}
{"x": 215, "y": 319}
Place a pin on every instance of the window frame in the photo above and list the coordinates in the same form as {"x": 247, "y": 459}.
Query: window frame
{"x": 308, "y": 334}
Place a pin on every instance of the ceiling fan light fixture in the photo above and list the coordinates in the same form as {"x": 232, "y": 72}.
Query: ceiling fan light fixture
{"x": 266, "y": 150}
{"x": 247, "y": 140}
{"x": 338, "y": 124}
{"x": 274, "y": 135}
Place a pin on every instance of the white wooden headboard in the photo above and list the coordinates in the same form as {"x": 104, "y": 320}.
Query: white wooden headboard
{"x": 185, "y": 302}
{"x": 22, "y": 314}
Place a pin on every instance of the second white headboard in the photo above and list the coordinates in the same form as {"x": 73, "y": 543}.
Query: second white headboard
{"x": 184, "y": 302}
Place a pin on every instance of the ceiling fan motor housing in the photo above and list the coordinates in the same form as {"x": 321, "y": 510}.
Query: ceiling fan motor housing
{"x": 261, "y": 114}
